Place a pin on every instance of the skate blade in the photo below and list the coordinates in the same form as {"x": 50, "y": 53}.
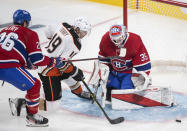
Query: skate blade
{"x": 12, "y": 108}
{"x": 31, "y": 124}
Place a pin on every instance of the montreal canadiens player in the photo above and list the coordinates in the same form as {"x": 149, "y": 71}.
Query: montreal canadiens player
{"x": 65, "y": 41}
{"x": 19, "y": 48}
{"x": 128, "y": 54}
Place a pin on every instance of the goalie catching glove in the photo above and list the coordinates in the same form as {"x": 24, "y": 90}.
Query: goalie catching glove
{"x": 140, "y": 80}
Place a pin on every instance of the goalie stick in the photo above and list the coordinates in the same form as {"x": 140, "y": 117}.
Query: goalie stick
{"x": 87, "y": 59}
{"x": 95, "y": 91}
{"x": 112, "y": 121}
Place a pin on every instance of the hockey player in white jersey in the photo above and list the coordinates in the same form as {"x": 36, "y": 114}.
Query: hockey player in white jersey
{"x": 65, "y": 42}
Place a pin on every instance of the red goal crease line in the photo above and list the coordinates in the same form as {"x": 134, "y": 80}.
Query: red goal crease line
{"x": 172, "y": 2}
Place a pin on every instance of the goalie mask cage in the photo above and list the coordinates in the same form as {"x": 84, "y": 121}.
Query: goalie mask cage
{"x": 172, "y": 8}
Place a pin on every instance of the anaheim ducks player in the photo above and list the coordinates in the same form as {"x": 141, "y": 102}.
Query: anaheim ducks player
{"x": 65, "y": 42}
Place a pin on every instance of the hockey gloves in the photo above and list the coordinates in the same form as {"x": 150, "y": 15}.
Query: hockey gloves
{"x": 30, "y": 65}
{"x": 141, "y": 80}
{"x": 56, "y": 62}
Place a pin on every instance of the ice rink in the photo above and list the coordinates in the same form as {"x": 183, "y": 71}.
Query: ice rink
{"x": 164, "y": 37}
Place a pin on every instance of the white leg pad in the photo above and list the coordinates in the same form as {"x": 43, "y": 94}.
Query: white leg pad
{"x": 133, "y": 99}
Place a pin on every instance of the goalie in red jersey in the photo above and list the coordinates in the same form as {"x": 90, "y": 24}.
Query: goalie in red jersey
{"x": 124, "y": 78}
{"x": 129, "y": 55}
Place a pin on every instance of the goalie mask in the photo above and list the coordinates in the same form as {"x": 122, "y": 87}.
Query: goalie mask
{"x": 83, "y": 25}
{"x": 118, "y": 34}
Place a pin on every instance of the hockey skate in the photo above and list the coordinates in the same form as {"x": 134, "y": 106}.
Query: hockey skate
{"x": 84, "y": 94}
{"x": 16, "y": 105}
{"x": 36, "y": 120}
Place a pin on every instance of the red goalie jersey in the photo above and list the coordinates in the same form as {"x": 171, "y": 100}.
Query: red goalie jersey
{"x": 135, "y": 54}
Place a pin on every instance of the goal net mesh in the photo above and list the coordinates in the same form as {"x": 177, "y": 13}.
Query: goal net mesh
{"x": 161, "y": 7}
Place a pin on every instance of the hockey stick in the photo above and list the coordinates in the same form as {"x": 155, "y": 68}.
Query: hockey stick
{"x": 112, "y": 121}
{"x": 95, "y": 91}
{"x": 87, "y": 59}
{"x": 2, "y": 83}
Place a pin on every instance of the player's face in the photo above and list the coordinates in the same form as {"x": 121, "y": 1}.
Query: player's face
{"x": 26, "y": 23}
{"x": 118, "y": 40}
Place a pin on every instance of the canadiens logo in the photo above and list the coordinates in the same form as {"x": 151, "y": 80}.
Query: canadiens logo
{"x": 119, "y": 64}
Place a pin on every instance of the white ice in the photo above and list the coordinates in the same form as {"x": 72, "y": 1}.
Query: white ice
{"x": 164, "y": 37}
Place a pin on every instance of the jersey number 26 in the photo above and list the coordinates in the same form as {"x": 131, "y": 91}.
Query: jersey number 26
{"x": 6, "y": 41}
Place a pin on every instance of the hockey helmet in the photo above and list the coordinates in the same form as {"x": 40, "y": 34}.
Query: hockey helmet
{"x": 82, "y": 24}
{"x": 20, "y": 16}
{"x": 118, "y": 34}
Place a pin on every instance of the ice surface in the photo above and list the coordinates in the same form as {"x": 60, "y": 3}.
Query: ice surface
{"x": 164, "y": 37}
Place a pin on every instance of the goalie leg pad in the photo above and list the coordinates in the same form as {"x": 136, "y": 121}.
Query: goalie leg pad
{"x": 133, "y": 99}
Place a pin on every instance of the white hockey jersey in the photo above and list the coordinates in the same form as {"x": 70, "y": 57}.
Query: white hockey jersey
{"x": 64, "y": 43}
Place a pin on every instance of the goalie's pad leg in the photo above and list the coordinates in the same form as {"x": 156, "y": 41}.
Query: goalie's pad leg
{"x": 99, "y": 77}
{"x": 133, "y": 99}
{"x": 16, "y": 105}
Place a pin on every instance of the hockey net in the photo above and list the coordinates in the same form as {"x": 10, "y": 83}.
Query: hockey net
{"x": 172, "y": 8}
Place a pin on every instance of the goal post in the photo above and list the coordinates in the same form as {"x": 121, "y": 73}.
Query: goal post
{"x": 125, "y": 6}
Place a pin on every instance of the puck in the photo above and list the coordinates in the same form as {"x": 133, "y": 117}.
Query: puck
{"x": 177, "y": 120}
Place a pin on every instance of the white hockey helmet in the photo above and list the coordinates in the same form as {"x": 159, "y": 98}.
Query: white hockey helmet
{"x": 82, "y": 24}
{"x": 118, "y": 34}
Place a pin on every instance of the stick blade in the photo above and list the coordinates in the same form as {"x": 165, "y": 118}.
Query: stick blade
{"x": 117, "y": 120}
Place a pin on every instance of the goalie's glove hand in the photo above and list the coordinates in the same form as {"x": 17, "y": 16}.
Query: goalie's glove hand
{"x": 141, "y": 80}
